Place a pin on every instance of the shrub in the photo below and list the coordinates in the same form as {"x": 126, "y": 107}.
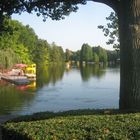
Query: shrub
{"x": 84, "y": 127}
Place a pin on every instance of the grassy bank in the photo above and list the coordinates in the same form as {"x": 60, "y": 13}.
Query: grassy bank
{"x": 75, "y": 125}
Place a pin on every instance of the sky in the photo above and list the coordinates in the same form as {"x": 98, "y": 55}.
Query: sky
{"x": 74, "y": 30}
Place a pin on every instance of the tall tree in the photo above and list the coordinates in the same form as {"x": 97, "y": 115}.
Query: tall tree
{"x": 128, "y": 12}
{"x": 41, "y": 53}
{"x": 21, "y": 41}
{"x": 102, "y": 54}
{"x": 56, "y": 54}
{"x": 95, "y": 58}
{"x": 8, "y": 58}
{"x": 68, "y": 55}
{"x": 28, "y": 38}
{"x": 86, "y": 53}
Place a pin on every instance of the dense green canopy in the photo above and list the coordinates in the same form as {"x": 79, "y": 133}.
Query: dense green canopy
{"x": 21, "y": 45}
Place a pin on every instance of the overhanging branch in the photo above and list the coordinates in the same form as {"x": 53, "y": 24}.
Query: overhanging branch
{"x": 112, "y": 3}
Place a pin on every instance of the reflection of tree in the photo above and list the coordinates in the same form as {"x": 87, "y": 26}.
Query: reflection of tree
{"x": 41, "y": 75}
{"x": 98, "y": 70}
{"x": 49, "y": 74}
{"x": 91, "y": 70}
{"x": 86, "y": 72}
{"x": 12, "y": 99}
{"x": 56, "y": 72}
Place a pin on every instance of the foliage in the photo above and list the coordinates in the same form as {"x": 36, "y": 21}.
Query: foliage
{"x": 28, "y": 38}
{"x": 87, "y": 127}
{"x": 111, "y": 30}
{"x": 8, "y": 58}
{"x": 86, "y": 53}
{"x": 91, "y": 54}
{"x": 41, "y": 54}
{"x": 53, "y": 9}
{"x": 56, "y": 10}
{"x": 8, "y": 39}
{"x": 95, "y": 58}
{"x": 72, "y": 55}
{"x": 23, "y": 46}
{"x": 77, "y": 56}
{"x": 68, "y": 55}
{"x": 56, "y": 54}
{"x": 23, "y": 54}
{"x": 102, "y": 54}
{"x": 18, "y": 42}
{"x": 112, "y": 56}
{"x": 27, "y": 48}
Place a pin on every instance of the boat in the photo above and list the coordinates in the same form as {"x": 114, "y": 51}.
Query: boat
{"x": 30, "y": 71}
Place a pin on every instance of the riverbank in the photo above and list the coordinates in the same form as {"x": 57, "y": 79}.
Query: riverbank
{"x": 76, "y": 124}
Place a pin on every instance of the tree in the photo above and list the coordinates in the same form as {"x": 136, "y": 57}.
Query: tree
{"x": 75, "y": 56}
{"x": 128, "y": 12}
{"x": 28, "y": 38}
{"x": 86, "y": 53}
{"x": 56, "y": 54}
{"x": 68, "y": 55}
{"x": 21, "y": 41}
{"x": 41, "y": 53}
{"x": 112, "y": 56}
{"x": 102, "y": 54}
{"x": 95, "y": 58}
{"x": 8, "y": 58}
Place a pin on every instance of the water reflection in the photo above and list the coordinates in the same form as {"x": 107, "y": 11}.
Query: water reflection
{"x": 49, "y": 74}
{"x": 57, "y": 88}
{"x": 12, "y": 98}
{"x": 92, "y": 70}
{"x": 30, "y": 87}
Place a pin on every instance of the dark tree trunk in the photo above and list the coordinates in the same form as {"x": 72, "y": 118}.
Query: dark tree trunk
{"x": 129, "y": 26}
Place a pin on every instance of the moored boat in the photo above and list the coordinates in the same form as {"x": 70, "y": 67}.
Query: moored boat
{"x": 30, "y": 71}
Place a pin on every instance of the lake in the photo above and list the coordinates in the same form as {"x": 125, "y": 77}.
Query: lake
{"x": 59, "y": 89}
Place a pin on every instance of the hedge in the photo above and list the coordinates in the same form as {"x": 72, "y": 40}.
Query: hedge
{"x": 84, "y": 127}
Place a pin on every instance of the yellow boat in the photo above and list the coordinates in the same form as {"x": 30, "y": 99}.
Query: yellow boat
{"x": 30, "y": 71}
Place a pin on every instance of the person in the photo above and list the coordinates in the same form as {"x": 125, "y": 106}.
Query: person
{"x": 21, "y": 73}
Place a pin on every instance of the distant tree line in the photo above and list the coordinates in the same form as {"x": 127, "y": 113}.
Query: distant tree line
{"x": 94, "y": 54}
{"x": 22, "y": 45}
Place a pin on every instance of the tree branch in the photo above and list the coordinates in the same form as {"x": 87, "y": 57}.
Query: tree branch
{"x": 114, "y": 4}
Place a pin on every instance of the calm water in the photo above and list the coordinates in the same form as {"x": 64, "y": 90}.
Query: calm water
{"x": 58, "y": 89}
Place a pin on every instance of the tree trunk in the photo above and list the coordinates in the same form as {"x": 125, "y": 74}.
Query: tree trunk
{"x": 129, "y": 26}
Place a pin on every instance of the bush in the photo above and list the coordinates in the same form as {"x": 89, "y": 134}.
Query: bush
{"x": 84, "y": 127}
